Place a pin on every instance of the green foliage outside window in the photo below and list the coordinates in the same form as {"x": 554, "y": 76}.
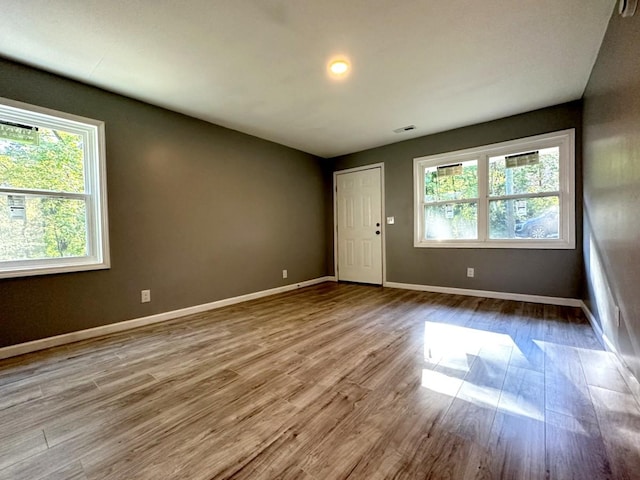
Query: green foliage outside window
{"x": 51, "y": 226}
{"x": 538, "y": 178}
{"x": 456, "y": 182}
{"x": 442, "y": 187}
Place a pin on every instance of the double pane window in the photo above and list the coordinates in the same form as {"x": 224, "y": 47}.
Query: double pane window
{"x": 451, "y": 201}
{"x": 513, "y": 194}
{"x": 52, "y": 198}
{"x": 524, "y": 195}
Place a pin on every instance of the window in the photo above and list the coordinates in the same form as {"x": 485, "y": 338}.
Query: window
{"x": 517, "y": 194}
{"x": 53, "y": 214}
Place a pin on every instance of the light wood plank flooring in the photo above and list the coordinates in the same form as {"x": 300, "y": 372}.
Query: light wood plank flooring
{"x": 334, "y": 381}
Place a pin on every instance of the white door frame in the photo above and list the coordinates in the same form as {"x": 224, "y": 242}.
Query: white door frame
{"x": 382, "y": 222}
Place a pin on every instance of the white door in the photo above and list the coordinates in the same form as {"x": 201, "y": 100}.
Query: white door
{"x": 359, "y": 224}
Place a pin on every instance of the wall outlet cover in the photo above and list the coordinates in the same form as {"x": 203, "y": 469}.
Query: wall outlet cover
{"x": 145, "y": 296}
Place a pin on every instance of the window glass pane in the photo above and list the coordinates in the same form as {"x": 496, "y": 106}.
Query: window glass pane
{"x": 524, "y": 218}
{"x": 456, "y": 181}
{"x": 535, "y": 171}
{"x": 451, "y": 221}
{"x": 49, "y": 160}
{"x": 41, "y": 227}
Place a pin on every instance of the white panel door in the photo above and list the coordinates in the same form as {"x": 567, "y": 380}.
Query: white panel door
{"x": 359, "y": 215}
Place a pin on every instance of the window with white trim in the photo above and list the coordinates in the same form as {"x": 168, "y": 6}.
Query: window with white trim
{"x": 516, "y": 194}
{"x": 53, "y": 212}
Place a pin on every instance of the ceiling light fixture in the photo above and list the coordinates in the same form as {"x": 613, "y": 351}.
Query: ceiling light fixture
{"x": 339, "y": 68}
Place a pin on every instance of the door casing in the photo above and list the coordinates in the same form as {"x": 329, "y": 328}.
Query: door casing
{"x": 382, "y": 223}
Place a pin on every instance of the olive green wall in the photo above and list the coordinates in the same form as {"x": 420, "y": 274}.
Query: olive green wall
{"x": 197, "y": 213}
{"x": 556, "y": 273}
{"x": 612, "y": 187}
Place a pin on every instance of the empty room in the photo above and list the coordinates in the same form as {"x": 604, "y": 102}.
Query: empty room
{"x": 277, "y": 239}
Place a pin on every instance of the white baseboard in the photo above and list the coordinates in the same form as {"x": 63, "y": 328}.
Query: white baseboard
{"x": 520, "y": 297}
{"x": 602, "y": 338}
{"x": 625, "y": 371}
{"x": 35, "y": 345}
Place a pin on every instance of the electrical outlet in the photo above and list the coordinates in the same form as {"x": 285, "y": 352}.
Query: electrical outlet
{"x": 284, "y": 274}
{"x": 470, "y": 272}
{"x": 145, "y": 296}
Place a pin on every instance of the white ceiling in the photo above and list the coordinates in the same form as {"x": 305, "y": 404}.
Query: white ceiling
{"x": 259, "y": 66}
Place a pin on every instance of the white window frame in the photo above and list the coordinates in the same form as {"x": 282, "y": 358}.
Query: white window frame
{"x": 95, "y": 195}
{"x": 564, "y": 139}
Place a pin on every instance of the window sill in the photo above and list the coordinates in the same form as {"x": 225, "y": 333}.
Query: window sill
{"x": 50, "y": 269}
{"x": 497, "y": 244}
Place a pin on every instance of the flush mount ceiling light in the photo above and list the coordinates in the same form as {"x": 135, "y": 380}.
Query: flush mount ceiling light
{"x": 339, "y": 68}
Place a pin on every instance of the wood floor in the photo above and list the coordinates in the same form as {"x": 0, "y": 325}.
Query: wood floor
{"x": 329, "y": 382}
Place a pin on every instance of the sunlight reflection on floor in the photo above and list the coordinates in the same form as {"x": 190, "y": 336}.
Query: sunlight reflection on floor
{"x": 441, "y": 339}
{"x": 450, "y": 352}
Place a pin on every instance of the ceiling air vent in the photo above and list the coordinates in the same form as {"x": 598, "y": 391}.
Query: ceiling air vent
{"x": 408, "y": 128}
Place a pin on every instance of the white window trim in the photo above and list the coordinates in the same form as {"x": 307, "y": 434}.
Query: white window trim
{"x": 93, "y": 132}
{"x": 564, "y": 139}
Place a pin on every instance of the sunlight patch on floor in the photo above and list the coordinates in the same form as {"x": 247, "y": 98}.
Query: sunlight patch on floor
{"x": 451, "y": 351}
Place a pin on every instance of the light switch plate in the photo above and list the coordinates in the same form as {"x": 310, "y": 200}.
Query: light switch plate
{"x": 391, "y": 220}
{"x": 145, "y": 296}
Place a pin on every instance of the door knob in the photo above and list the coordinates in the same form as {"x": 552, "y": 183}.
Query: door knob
{"x": 377, "y": 232}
